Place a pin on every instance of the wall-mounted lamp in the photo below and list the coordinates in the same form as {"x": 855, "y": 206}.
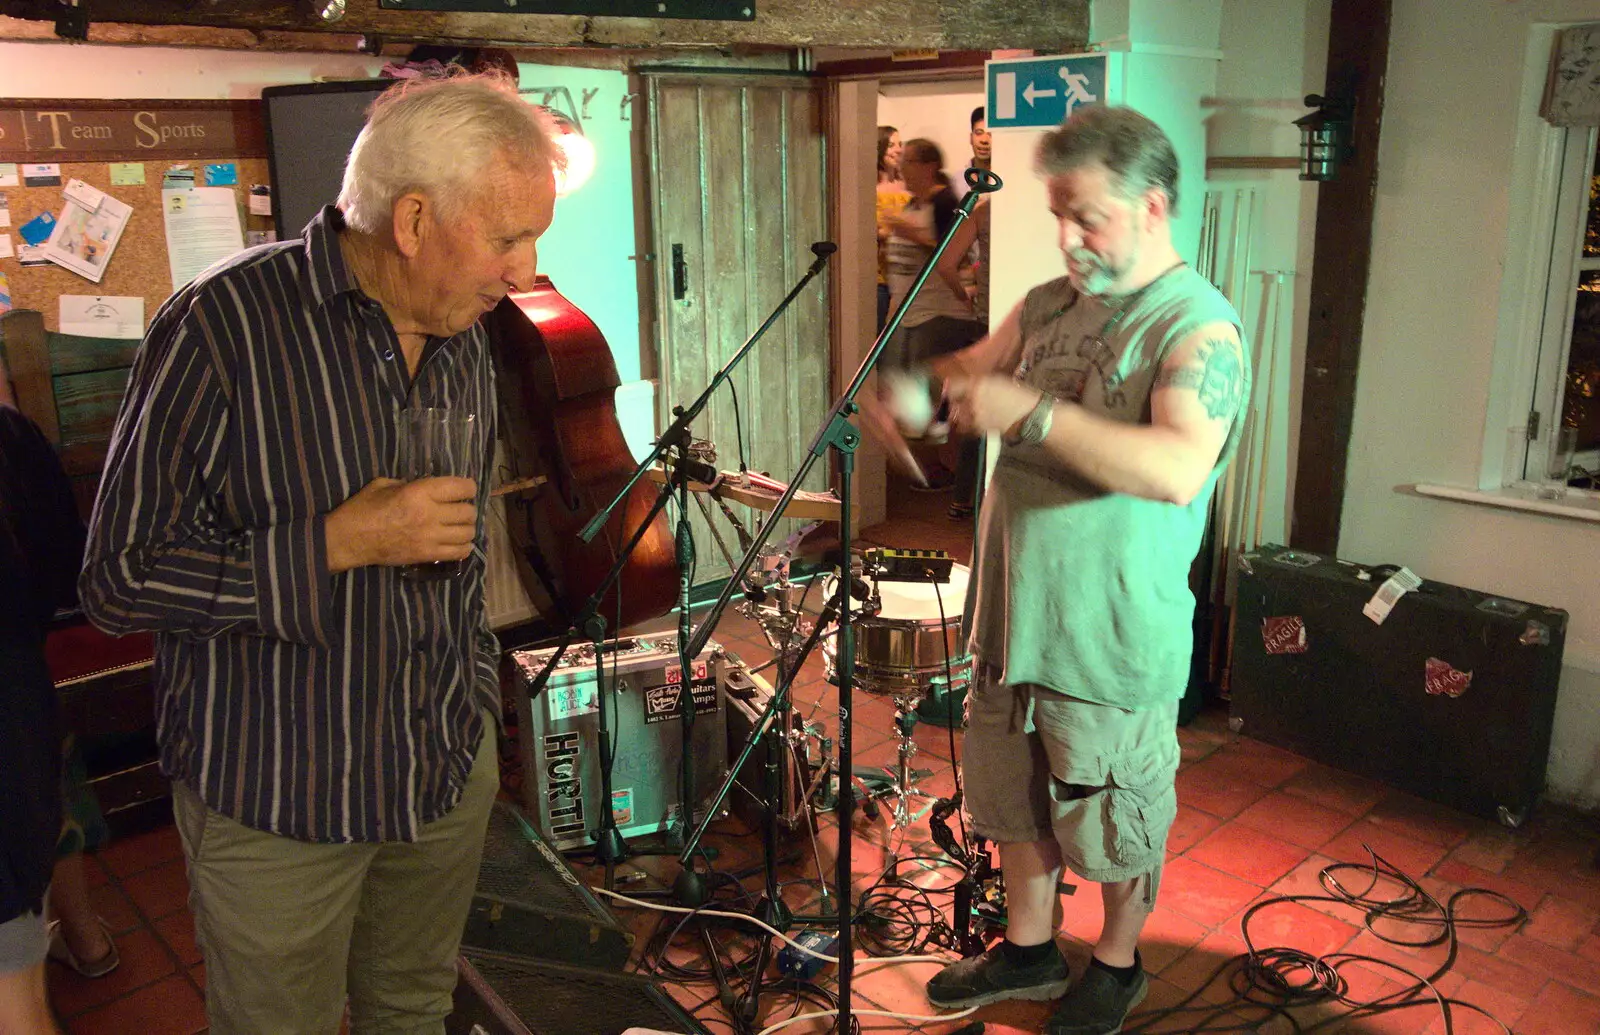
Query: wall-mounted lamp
{"x": 1325, "y": 136}
{"x": 578, "y": 148}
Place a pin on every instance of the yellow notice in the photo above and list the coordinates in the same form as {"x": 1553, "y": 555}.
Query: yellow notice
{"x": 127, "y": 174}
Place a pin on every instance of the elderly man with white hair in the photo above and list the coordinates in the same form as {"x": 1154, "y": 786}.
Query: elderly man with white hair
{"x": 327, "y": 723}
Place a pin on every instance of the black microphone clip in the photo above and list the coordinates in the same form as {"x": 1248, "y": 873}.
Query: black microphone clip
{"x": 983, "y": 181}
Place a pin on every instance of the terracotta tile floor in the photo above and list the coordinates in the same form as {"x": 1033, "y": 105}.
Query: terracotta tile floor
{"x": 1254, "y": 822}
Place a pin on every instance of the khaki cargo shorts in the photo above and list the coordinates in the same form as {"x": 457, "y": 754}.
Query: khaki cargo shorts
{"x": 1040, "y": 765}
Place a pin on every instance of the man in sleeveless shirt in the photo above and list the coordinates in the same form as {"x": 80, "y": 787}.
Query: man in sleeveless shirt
{"x": 1118, "y": 392}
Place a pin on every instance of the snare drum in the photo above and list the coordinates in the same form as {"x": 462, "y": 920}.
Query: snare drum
{"x": 903, "y": 648}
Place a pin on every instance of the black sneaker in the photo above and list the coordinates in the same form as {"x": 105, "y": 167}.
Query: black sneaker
{"x": 990, "y": 978}
{"x": 1097, "y": 1004}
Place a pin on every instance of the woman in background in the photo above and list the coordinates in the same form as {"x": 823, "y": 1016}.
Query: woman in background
{"x": 892, "y": 200}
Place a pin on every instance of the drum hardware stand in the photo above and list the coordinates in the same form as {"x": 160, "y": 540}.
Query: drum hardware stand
{"x": 841, "y": 438}
{"x": 902, "y": 779}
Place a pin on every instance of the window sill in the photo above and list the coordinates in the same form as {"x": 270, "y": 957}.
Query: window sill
{"x": 1577, "y": 505}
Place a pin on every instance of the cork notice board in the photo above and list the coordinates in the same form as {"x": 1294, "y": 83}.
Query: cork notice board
{"x": 85, "y": 138}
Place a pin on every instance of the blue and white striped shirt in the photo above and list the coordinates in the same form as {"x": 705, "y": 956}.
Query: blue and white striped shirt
{"x": 325, "y": 707}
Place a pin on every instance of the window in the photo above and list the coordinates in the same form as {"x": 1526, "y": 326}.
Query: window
{"x": 1567, "y": 385}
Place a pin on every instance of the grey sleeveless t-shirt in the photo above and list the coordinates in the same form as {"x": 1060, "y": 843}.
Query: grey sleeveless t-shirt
{"x": 1082, "y": 590}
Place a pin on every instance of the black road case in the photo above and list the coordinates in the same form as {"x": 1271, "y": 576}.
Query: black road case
{"x": 1450, "y": 698}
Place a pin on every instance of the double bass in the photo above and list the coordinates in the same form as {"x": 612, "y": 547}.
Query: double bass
{"x": 557, "y": 389}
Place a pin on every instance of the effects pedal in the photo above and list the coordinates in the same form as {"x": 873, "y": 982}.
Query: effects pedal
{"x": 887, "y": 564}
{"x": 802, "y": 966}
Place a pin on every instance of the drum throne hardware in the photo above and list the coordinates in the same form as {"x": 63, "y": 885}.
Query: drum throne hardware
{"x": 908, "y": 647}
{"x": 777, "y": 605}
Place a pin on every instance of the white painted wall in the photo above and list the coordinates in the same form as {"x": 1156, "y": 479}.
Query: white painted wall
{"x": 1444, "y": 229}
{"x": 82, "y": 70}
{"x": 1440, "y": 376}
{"x": 1252, "y": 115}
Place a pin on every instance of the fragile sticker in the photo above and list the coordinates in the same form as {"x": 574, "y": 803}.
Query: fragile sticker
{"x": 1443, "y": 679}
{"x": 1285, "y": 635}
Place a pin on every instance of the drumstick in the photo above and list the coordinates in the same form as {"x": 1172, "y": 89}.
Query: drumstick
{"x": 877, "y": 422}
{"x": 523, "y": 485}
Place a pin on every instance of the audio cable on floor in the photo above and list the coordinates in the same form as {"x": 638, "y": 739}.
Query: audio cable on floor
{"x": 1270, "y": 982}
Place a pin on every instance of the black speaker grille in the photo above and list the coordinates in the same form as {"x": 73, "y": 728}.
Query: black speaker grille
{"x": 553, "y": 999}
{"x": 519, "y": 867}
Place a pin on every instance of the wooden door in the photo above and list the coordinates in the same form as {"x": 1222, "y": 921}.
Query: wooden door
{"x": 737, "y": 171}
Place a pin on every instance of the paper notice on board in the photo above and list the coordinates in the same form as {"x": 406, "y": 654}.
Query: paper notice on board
{"x": 202, "y": 229}
{"x": 85, "y": 236}
{"x": 103, "y": 316}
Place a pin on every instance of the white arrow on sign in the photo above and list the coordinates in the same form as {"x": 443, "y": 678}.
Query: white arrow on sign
{"x": 1029, "y": 92}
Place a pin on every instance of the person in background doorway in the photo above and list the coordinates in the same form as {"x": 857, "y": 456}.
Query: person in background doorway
{"x": 982, "y": 143}
{"x": 968, "y": 258}
{"x": 41, "y": 544}
{"x": 891, "y": 200}
{"x": 326, "y": 719}
{"x": 940, "y": 318}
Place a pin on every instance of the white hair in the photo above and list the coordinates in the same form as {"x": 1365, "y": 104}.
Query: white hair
{"x": 439, "y": 137}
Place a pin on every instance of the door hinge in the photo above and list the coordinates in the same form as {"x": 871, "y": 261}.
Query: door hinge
{"x": 1533, "y": 426}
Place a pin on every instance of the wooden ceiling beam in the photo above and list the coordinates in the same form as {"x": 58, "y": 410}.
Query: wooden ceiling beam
{"x": 916, "y": 24}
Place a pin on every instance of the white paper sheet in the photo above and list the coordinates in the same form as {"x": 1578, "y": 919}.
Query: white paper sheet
{"x": 202, "y": 229}
{"x": 5, "y": 246}
{"x": 103, "y": 316}
{"x": 84, "y": 238}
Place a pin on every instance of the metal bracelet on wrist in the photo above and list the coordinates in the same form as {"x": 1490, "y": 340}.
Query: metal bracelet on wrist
{"x": 1036, "y": 425}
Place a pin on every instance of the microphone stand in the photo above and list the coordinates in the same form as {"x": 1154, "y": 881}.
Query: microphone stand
{"x": 839, "y": 435}
{"x": 609, "y": 844}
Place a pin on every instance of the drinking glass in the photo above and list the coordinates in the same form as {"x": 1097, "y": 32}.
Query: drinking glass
{"x": 1563, "y": 444}
{"x": 436, "y": 442}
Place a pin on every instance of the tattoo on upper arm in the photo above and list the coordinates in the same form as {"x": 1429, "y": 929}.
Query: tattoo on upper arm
{"x": 1216, "y": 375}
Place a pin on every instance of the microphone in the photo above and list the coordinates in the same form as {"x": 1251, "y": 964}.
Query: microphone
{"x": 822, "y": 250}
{"x": 697, "y": 470}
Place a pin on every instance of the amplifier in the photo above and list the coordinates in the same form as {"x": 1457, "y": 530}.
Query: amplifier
{"x": 503, "y": 995}
{"x": 1450, "y": 698}
{"x": 530, "y": 904}
{"x": 559, "y": 737}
